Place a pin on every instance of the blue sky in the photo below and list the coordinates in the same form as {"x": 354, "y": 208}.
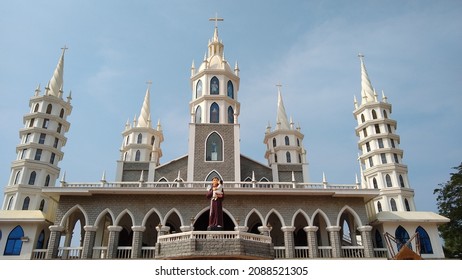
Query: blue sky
{"x": 412, "y": 51}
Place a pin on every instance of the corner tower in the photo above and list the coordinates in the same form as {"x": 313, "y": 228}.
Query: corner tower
{"x": 284, "y": 148}
{"x": 140, "y": 151}
{"x": 40, "y": 149}
{"x": 214, "y": 108}
{"x": 381, "y": 158}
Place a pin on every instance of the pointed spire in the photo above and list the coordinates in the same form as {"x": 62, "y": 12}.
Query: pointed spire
{"x": 366, "y": 86}
{"x": 56, "y": 82}
{"x": 37, "y": 91}
{"x": 281, "y": 114}
{"x": 236, "y": 69}
{"x": 145, "y": 114}
{"x": 384, "y": 97}
{"x": 159, "y": 127}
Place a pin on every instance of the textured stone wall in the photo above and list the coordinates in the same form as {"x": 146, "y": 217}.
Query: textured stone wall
{"x": 218, "y": 248}
{"x": 226, "y": 167}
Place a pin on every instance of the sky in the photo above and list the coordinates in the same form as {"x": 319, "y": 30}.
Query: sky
{"x": 412, "y": 52}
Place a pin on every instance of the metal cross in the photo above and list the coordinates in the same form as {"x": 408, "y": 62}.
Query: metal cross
{"x": 216, "y": 19}
{"x": 64, "y": 48}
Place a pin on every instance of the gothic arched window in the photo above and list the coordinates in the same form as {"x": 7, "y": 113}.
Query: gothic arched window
{"x": 137, "y": 155}
{"x": 49, "y": 108}
{"x": 198, "y": 115}
{"x": 214, "y": 86}
{"x": 230, "y": 89}
{"x": 379, "y": 206}
{"x": 362, "y": 118}
{"x": 401, "y": 181}
{"x": 286, "y": 140}
{"x": 153, "y": 139}
{"x": 393, "y": 205}
{"x": 374, "y": 182}
{"x": 274, "y": 142}
{"x": 374, "y": 114}
{"x": 32, "y": 177}
{"x": 199, "y": 89}
{"x": 230, "y": 115}
{"x": 402, "y": 235}
{"x": 214, "y": 113}
{"x": 288, "y": 158}
{"x": 388, "y": 181}
{"x": 378, "y": 239}
{"x": 16, "y": 178}
{"x": 140, "y": 138}
{"x": 406, "y": 204}
{"x": 61, "y": 114}
{"x": 42, "y": 205}
{"x": 47, "y": 181}
{"x": 214, "y": 148}
{"x": 385, "y": 116}
{"x": 425, "y": 243}
{"x": 14, "y": 244}
{"x": 25, "y": 204}
{"x": 40, "y": 240}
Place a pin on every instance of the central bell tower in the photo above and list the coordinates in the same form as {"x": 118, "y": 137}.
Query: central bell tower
{"x": 214, "y": 137}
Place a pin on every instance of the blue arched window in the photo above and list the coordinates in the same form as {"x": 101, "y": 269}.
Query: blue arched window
{"x": 14, "y": 244}
{"x": 230, "y": 89}
{"x": 214, "y": 113}
{"x": 198, "y": 115}
{"x": 214, "y": 148}
{"x": 25, "y": 204}
{"x": 214, "y": 86}
{"x": 378, "y": 240}
{"x": 199, "y": 89}
{"x": 137, "y": 155}
{"x": 140, "y": 139}
{"x": 402, "y": 235}
{"x": 230, "y": 115}
{"x": 40, "y": 240}
{"x": 289, "y": 159}
{"x": 32, "y": 177}
{"x": 424, "y": 239}
{"x": 286, "y": 139}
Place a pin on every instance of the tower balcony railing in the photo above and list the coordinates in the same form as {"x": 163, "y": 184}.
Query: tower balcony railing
{"x": 202, "y": 185}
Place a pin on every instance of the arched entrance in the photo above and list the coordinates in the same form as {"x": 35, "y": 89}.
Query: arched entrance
{"x": 202, "y": 222}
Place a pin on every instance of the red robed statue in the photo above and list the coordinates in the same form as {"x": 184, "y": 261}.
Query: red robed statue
{"x": 216, "y": 195}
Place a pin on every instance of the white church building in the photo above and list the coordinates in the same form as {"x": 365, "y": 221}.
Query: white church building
{"x": 158, "y": 210}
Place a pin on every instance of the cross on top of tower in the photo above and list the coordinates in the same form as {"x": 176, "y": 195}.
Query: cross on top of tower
{"x": 216, "y": 19}
{"x": 64, "y": 48}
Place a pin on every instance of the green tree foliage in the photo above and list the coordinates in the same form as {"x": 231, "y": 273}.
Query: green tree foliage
{"x": 449, "y": 203}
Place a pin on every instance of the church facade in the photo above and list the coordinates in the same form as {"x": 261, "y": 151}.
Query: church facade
{"x": 159, "y": 210}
